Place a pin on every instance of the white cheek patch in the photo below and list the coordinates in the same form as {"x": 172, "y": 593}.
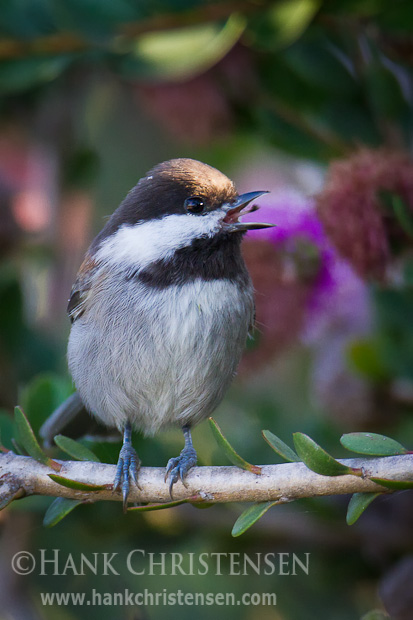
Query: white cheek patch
{"x": 143, "y": 243}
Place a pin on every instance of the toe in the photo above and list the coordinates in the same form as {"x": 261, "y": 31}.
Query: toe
{"x": 170, "y": 466}
{"x": 134, "y": 469}
{"x": 127, "y": 470}
{"x": 119, "y": 475}
{"x": 182, "y": 473}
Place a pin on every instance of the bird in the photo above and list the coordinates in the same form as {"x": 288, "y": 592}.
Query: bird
{"x": 161, "y": 309}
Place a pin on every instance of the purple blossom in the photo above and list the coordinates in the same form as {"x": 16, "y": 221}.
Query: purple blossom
{"x": 338, "y": 297}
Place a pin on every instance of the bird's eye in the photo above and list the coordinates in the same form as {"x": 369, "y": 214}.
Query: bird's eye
{"x": 194, "y": 204}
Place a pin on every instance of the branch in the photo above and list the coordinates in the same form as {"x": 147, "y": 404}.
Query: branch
{"x": 22, "y": 475}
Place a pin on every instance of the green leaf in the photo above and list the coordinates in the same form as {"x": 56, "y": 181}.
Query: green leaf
{"x": 250, "y": 516}
{"x": 372, "y": 444}
{"x": 58, "y": 510}
{"x": 180, "y": 53}
{"x": 78, "y": 486}
{"x": 152, "y": 507}
{"x": 29, "y": 442}
{"x": 292, "y": 18}
{"x": 283, "y": 23}
{"x": 281, "y": 448}
{"x": 75, "y": 449}
{"x": 27, "y": 438}
{"x": 317, "y": 459}
{"x": 395, "y": 485}
{"x": 235, "y": 458}
{"x": 358, "y": 504}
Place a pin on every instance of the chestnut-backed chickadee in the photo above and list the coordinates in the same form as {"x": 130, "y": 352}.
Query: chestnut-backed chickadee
{"x": 161, "y": 309}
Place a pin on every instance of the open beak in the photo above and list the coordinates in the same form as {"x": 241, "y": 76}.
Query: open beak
{"x": 237, "y": 208}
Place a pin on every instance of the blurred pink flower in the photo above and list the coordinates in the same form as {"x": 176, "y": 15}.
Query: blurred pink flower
{"x": 352, "y": 207}
{"x": 337, "y": 293}
{"x": 303, "y": 288}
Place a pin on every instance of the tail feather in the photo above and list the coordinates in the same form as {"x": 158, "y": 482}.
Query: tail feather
{"x": 69, "y": 413}
{"x": 72, "y": 419}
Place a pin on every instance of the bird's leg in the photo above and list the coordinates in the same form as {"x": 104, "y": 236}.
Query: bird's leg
{"x": 128, "y": 466}
{"x": 179, "y": 466}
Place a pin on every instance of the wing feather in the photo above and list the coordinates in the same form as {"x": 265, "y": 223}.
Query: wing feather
{"x": 81, "y": 289}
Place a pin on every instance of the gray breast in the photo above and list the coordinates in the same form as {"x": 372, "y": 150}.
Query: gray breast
{"x": 159, "y": 358}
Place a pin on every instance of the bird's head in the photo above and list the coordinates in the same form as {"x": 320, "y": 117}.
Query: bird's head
{"x": 178, "y": 203}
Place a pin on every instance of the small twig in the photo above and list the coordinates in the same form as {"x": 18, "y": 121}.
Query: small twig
{"x": 281, "y": 483}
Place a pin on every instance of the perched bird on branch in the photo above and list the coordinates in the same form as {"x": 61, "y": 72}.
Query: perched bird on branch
{"x": 161, "y": 309}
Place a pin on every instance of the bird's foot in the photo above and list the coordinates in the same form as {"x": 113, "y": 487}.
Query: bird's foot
{"x": 127, "y": 469}
{"x": 178, "y": 467}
